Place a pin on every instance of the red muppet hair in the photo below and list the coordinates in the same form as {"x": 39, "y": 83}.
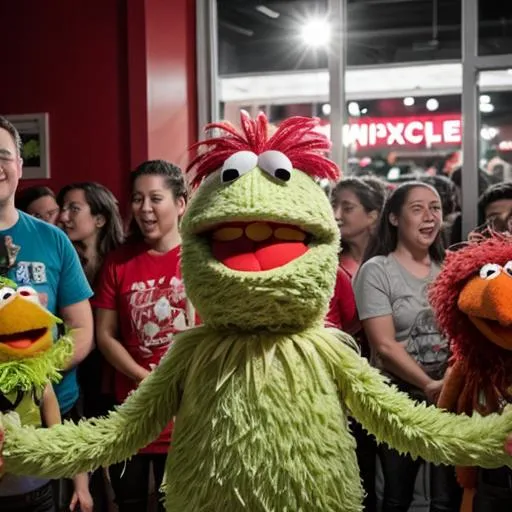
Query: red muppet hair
{"x": 296, "y": 137}
{"x": 487, "y": 367}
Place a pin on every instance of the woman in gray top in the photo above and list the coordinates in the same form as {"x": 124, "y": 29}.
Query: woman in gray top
{"x": 401, "y": 261}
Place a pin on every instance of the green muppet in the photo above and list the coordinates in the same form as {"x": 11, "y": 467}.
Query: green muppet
{"x": 261, "y": 391}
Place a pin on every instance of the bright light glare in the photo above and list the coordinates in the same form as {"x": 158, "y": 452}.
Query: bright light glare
{"x": 485, "y": 98}
{"x": 409, "y": 101}
{"x": 326, "y": 109}
{"x": 267, "y": 11}
{"x": 353, "y": 108}
{"x": 316, "y": 32}
{"x": 432, "y": 104}
{"x": 489, "y": 132}
{"x": 486, "y": 108}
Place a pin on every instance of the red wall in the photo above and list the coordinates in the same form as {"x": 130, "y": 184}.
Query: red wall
{"x": 68, "y": 59}
{"x": 172, "y": 85}
{"x": 118, "y": 84}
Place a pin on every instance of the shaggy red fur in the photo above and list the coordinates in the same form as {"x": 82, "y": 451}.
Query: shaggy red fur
{"x": 486, "y": 367}
{"x": 296, "y": 137}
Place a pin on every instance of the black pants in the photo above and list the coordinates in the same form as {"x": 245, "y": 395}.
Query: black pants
{"x": 130, "y": 481}
{"x": 400, "y": 472}
{"x": 493, "y": 491}
{"x": 40, "y": 500}
{"x": 366, "y": 451}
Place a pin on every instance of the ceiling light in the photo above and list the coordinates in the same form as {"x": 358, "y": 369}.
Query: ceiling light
{"x": 486, "y": 108}
{"x": 326, "y": 109}
{"x": 432, "y": 104}
{"x": 316, "y": 32}
{"x": 488, "y": 132}
{"x": 364, "y": 111}
{"x": 353, "y": 109}
{"x": 485, "y": 98}
{"x": 409, "y": 101}
{"x": 267, "y": 11}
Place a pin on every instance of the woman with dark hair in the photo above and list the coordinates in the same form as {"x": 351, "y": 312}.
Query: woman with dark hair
{"x": 401, "y": 261}
{"x": 140, "y": 305}
{"x": 89, "y": 214}
{"x": 39, "y": 202}
{"x": 357, "y": 203}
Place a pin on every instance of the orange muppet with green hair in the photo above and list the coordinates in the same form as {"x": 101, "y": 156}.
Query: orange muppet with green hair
{"x": 472, "y": 297}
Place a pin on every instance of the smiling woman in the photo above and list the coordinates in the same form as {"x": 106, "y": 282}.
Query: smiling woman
{"x": 141, "y": 305}
{"x": 401, "y": 261}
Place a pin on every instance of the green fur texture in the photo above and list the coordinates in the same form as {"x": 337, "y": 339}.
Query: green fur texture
{"x": 260, "y": 425}
{"x": 260, "y": 393}
{"x": 295, "y": 296}
{"x": 37, "y": 371}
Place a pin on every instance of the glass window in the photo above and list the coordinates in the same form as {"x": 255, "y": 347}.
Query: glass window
{"x": 495, "y": 105}
{"x": 494, "y": 27}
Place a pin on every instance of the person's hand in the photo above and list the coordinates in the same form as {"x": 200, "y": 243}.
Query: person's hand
{"x": 141, "y": 375}
{"x": 82, "y": 499}
{"x": 432, "y": 390}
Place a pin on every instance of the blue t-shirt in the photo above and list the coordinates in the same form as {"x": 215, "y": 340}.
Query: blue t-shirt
{"x": 48, "y": 262}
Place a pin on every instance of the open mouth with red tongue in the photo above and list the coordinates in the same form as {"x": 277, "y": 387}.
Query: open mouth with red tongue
{"x": 257, "y": 246}
{"x": 23, "y": 340}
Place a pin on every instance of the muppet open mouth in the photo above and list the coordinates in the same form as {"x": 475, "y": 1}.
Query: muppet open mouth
{"x": 257, "y": 246}
{"x": 23, "y": 340}
{"x": 496, "y": 332}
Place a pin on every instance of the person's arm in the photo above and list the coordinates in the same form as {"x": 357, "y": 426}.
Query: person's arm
{"x": 112, "y": 349}
{"x": 78, "y": 317}
{"x": 73, "y": 296}
{"x": 380, "y": 332}
{"x": 373, "y": 292}
{"x": 51, "y": 416}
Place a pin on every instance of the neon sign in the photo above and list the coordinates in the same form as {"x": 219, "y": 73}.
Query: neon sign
{"x": 426, "y": 131}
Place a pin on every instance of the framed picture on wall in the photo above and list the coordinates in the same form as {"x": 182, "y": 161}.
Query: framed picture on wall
{"x": 34, "y": 133}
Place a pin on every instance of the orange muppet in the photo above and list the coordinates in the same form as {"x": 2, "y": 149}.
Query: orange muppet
{"x": 472, "y": 298}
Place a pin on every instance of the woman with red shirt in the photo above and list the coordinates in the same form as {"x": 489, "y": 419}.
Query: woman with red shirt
{"x": 141, "y": 304}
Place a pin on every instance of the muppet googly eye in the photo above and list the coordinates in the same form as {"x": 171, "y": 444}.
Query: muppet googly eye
{"x": 28, "y": 293}
{"x": 490, "y": 271}
{"x": 276, "y": 164}
{"x": 237, "y": 165}
{"x": 508, "y": 268}
{"x": 6, "y": 293}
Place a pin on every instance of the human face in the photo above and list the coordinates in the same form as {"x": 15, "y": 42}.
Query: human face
{"x": 44, "y": 208}
{"x": 353, "y": 220}
{"x": 10, "y": 167}
{"x": 76, "y": 218}
{"x": 420, "y": 219}
{"x": 499, "y": 209}
{"x": 154, "y": 207}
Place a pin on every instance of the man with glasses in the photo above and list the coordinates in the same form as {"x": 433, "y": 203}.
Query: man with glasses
{"x": 46, "y": 261}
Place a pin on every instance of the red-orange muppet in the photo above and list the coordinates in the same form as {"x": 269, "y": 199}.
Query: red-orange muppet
{"x": 472, "y": 299}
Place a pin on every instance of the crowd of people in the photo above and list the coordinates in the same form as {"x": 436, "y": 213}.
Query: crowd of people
{"x": 122, "y": 292}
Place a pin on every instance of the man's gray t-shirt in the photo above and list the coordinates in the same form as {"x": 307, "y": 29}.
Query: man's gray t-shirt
{"x": 383, "y": 287}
